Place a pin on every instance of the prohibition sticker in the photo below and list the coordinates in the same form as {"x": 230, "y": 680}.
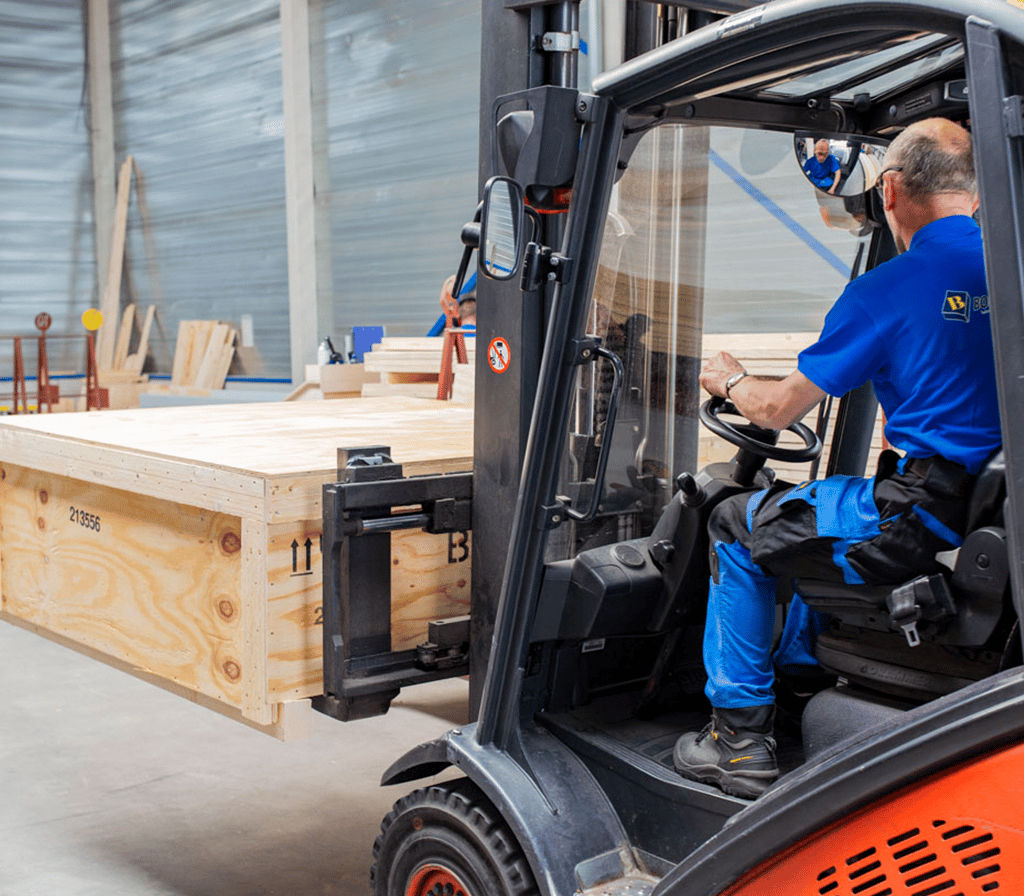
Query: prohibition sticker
{"x": 498, "y": 355}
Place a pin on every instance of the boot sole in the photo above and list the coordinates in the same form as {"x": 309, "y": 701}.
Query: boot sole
{"x": 749, "y": 785}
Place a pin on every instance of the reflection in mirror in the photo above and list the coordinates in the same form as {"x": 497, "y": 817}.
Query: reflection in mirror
{"x": 502, "y": 227}
{"x": 840, "y": 164}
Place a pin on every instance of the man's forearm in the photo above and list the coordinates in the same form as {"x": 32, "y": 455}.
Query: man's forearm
{"x": 767, "y": 401}
{"x": 775, "y": 402}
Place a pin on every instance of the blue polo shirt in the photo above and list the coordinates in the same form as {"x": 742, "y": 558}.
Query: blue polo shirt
{"x": 822, "y": 173}
{"x": 918, "y": 328}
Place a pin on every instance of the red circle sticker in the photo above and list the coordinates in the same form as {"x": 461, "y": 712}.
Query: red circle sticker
{"x": 498, "y": 354}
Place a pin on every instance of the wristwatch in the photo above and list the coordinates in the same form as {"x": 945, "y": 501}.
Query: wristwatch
{"x": 732, "y": 381}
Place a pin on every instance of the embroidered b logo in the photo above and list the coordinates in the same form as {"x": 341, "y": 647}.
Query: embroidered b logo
{"x": 956, "y": 306}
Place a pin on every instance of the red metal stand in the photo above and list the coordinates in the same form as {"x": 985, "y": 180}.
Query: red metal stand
{"x": 20, "y": 393}
{"x": 46, "y": 393}
{"x": 453, "y": 338}
{"x": 95, "y": 397}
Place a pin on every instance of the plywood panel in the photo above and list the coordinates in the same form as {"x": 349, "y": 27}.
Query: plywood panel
{"x": 152, "y": 584}
{"x": 268, "y": 459}
{"x": 275, "y": 439}
{"x": 430, "y": 579}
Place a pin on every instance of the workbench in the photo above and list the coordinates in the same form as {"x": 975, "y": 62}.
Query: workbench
{"x": 182, "y": 544}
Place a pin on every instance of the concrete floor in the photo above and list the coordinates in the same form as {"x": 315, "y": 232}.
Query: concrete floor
{"x": 112, "y": 787}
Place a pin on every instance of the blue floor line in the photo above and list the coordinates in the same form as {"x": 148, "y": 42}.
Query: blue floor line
{"x": 769, "y": 205}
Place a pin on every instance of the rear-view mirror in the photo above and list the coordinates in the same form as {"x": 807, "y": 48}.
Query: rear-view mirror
{"x": 840, "y": 164}
{"x": 501, "y": 228}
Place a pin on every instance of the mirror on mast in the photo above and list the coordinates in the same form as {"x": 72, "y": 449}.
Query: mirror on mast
{"x": 839, "y": 164}
{"x": 501, "y": 228}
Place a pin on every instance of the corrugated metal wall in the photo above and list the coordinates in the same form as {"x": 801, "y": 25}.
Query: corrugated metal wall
{"x": 46, "y": 230}
{"x": 400, "y": 117}
{"x": 197, "y": 103}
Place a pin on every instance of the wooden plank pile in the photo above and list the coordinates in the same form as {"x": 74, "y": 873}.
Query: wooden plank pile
{"x": 202, "y": 354}
{"x": 410, "y": 366}
{"x": 182, "y": 544}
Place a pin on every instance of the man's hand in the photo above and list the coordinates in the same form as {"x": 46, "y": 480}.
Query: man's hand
{"x": 770, "y": 402}
{"x": 717, "y": 370}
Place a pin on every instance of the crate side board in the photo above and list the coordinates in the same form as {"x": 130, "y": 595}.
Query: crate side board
{"x": 150, "y": 583}
{"x": 163, "y": 478}
{"x": 295, "y": 498}
{"x": 430, "y": 579}
{"x": 184, "y": 583}
{"x": 252, "y": 600}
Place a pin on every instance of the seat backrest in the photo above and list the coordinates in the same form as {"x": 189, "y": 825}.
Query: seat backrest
{"x": 986, "y": 504}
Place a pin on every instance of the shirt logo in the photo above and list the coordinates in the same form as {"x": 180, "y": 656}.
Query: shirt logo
{"x": 957, "y": 306}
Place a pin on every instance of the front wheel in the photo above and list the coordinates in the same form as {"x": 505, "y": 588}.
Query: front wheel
{"x": 448, "y": 840}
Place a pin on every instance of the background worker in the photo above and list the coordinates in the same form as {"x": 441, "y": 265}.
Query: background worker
{"x": 917, "y": 328}
{"x": 466, "y": 310}
{"x": 823, "y": 168}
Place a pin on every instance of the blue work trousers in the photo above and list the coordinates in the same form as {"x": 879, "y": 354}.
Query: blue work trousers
{"x": 829, "y": 529}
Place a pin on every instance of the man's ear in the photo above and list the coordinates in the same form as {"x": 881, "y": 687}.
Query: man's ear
{"x": 887, "y": 194}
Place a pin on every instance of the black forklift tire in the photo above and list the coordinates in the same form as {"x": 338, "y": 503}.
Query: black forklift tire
{"x": 448, "y": 840}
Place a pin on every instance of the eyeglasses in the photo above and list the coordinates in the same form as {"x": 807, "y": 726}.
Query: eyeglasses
{"x": 880, "y": 183}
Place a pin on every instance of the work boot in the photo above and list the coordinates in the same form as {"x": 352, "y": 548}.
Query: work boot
{"x": 735, "y": 751}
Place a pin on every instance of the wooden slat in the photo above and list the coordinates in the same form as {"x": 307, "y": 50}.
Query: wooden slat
{"x": 402, "y": 362}
{"x": 182, "y": 347}
{"x": 135, "y": 362}
{"x": 409, "y": 343}
{"x": 111, "y": 300}
{"x": 219, "y": 374}
{"x": 124, "y": 337}
{"x": 206, "y": 373}
{"x": 251, "y": 608}
{"x": 200, "y": 334}
{"x": 413, "y": 390}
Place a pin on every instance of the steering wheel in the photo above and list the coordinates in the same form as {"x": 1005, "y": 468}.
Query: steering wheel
{"x": 710, "y": 416}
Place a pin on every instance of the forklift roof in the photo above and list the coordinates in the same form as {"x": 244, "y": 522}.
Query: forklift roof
{"x": 807, "y": 55}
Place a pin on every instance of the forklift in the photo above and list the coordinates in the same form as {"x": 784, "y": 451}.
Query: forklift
{"x": 601, "y": 255}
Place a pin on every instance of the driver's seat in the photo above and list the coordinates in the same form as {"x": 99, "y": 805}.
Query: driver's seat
{"x": 936, "y": 633}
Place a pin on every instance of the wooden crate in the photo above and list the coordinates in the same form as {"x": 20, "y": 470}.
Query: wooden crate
{"x": 182, "y": 544}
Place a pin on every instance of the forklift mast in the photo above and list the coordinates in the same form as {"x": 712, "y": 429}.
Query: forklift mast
{"x": 529, "y": 44}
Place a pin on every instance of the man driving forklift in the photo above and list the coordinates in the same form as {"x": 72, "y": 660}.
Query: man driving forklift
{"x": 918, "y": 328}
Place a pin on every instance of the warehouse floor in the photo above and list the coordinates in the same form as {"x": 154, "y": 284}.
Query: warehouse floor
{"x": 112, "y": 787}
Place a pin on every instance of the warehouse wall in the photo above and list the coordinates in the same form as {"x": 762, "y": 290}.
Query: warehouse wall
{"x": 197, "y": 95}
{"x": 399, "y": 110}
{"x": 46, "y": 236}
{"x": 197, "y": 104}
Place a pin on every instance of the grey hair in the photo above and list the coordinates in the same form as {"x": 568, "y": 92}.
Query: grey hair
{"x": 932, "y": 166}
